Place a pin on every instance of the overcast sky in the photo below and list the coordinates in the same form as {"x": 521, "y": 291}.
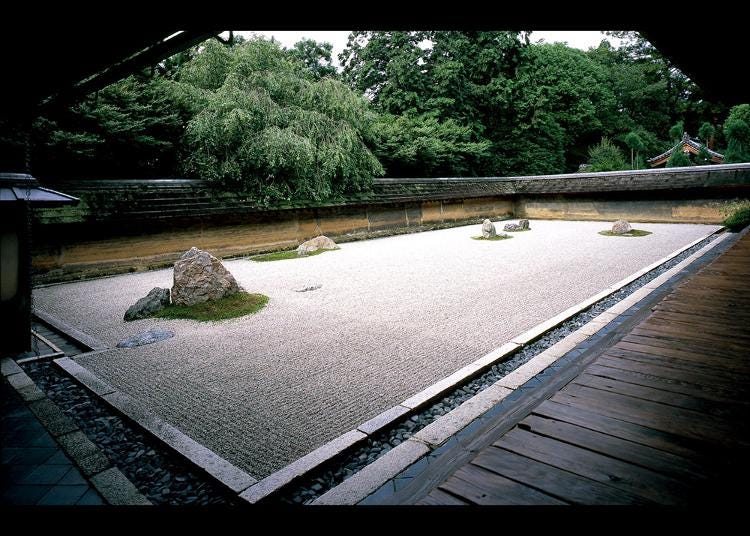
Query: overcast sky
{"x": 579, "y": 39}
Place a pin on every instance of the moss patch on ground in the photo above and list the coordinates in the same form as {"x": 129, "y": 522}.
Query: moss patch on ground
{"x": 240, "y": 304}
{"x": 284, "y": 255}
{"x": 519, "y": 231}
{"x": 496, "y": 237}
{"x": 632, "y": 232}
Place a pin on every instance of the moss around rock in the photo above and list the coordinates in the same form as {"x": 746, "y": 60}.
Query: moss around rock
{"x": 632, "y": 232}
{"x": 493, "y": 238}
{"x": 284, "y": 255}
{"x": 239, "y": 304}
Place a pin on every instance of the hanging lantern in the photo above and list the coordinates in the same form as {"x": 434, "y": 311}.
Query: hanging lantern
{"x": 19, "y": 193}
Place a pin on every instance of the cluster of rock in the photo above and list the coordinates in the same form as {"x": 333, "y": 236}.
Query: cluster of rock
{"x": 621, "y": 227}
{"x": 314, "y": 244}
{"x": 522, "y": 225}
{"x": 198, "y": 277}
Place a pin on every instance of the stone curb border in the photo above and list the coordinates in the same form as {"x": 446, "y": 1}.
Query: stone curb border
{"x": 109, "y": 481}
{"x": 252, "y": 491}
{"x": 373, "y": 476}
{"x": 220, "y": 469}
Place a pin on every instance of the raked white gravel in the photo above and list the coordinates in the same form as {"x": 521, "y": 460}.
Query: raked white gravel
{"x": 392, "y": 316}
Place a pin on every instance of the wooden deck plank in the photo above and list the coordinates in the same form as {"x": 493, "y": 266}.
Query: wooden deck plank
{"x": 622, "y": 449}
{"x": 667, "y": 384}
{"x": 678, "y": 366}
{"x": 660, "y": 416}
{"x": 680, "y": 400}
{"x": 479, "y": 486}
{"x": 687, "y": 356}
{"x": 563, "y": 485}
{"x": 587, "y": 418}
{"x": 438, "y": 497}
{"x": 708, "y": 349}
{"x": 628, "y": 477}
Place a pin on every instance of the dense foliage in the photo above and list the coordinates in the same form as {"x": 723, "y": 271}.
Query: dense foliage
{"x": 267, "y": 125}
{"x": 606, "y": 157}
{"x": 285, "y": 125}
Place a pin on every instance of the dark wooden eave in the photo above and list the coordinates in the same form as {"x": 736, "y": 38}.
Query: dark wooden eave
{"x": 711, "y": 55}
{"x": 76, "y": 63}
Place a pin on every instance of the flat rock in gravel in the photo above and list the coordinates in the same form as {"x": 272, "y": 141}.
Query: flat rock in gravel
{"x": 488, "y": 229}
{"x": 201, "y": 277}
{"x": 314, "y": 244}
{"x": 621, "y": 227}
{"x": 156, "y": 300}
{"x": 307, "y": 288}
{"x": 146, "y": 337}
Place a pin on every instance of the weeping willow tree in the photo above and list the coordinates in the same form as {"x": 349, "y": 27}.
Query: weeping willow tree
{"x": 264, "y": 124}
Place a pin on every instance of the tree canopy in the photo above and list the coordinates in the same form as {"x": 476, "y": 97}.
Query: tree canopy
{"x": 284, "y": 124}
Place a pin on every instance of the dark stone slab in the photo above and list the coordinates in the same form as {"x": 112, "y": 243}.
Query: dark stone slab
{"x": 147, "y": 337}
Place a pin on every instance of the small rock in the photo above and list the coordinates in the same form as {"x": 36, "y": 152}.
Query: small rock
{"x": 156, "y": 300}
{"x": 488, "y": 229}
{"x": 146, "y": 337}
{"x": 621, "y": 227}
{"x": 314, "y": 244}
{"x": 308, "y": 288}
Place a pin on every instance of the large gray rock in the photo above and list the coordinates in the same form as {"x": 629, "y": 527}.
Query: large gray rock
{"x": 488, "y": 229}
{"x": 200, "y": 277}
{"x": 156, "y": 300}
{"x": 314, "y": 244}
{"x": 621, "y": 227}
{"x": 524, "y": 224}
{"x": 146, "y": 337}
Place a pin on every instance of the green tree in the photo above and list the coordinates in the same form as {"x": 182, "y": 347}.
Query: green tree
{"x": 678, "y": 159}
{"x": 422, "y": 145}
{"x": 606, "y": 156}
{"x": 387, "y": 68}
{"x": 703, "y": 157}
{"x": 634, "y": 141}
{"x": 272, "y": 131}
{"x": 737, "y": 133}
{"x": 706, "y": 133}
{"x": 315, "y": 56}
{"x": 131, "y": 128}
{"x": 677, "y": 131}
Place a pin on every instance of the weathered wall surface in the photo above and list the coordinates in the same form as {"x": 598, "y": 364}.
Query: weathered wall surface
{"x": 73, "y": 251}
{"x": 662, "y": 210}
{"x": 120, "y": 227}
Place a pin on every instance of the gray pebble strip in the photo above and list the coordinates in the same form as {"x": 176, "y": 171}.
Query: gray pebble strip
{"x": 161, "y": 475}
{"x": 348, "y": 463}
